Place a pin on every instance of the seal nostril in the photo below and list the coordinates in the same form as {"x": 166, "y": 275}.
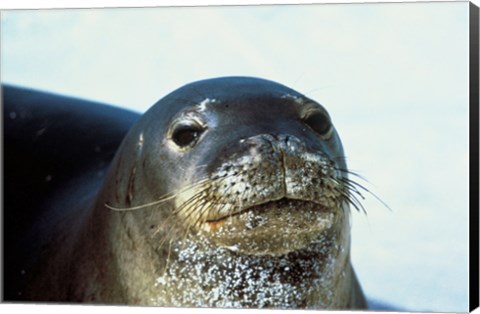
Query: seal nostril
{"x": 281, "y": 138}
{"x": 290, "y": 143}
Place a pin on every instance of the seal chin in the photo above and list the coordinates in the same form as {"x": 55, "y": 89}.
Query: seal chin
{"x": 294, "y": 223}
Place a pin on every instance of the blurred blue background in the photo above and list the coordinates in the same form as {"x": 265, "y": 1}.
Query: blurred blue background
{"x": 394, "y": 78}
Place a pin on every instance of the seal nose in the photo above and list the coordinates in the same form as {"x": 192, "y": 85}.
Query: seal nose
{"x": 282, "y": 144}
{"x": 298, "y": 170}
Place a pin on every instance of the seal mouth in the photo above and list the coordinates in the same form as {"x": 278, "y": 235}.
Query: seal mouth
{"x": 259, "y": 214}
{"x": 274, "y": 227}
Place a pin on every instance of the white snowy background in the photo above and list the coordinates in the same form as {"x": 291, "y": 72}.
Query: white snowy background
{"x": 394, "y": 78}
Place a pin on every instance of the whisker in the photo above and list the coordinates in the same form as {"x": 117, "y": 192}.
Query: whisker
{"x": 350, "y": 194}
{"x": 353, "y": 200}
{"x": 353, "y": 173}
{"x": 168, "y": 257}
{"x": 161, "y": 200}
{"x": 175, "y": 213}
{"x": 194, "y": 222}
{"x": 188, "y": 207}
{"x": 353, "y": 185}
{"x": 157, "y": 202}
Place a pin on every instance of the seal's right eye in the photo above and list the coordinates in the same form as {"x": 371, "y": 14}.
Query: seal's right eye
{"x": 186, "y": 135}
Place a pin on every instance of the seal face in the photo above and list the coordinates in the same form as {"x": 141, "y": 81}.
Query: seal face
{"x": 271, "y": 184}
{"x": 247, "y": 191}
{"x": 229, "y": 192}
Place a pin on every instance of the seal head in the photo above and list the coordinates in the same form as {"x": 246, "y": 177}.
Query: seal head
{"x": 246, "y": 172}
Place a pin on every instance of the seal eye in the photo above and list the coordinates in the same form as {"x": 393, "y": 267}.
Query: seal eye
{"x": 186, "y": 135}
{"x": 320, "y": 123}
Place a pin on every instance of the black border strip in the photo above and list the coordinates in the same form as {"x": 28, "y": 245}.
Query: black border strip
{"x": 474, "y": 158}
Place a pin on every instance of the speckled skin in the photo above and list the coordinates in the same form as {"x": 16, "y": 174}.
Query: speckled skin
{"x": 254, "y": 213}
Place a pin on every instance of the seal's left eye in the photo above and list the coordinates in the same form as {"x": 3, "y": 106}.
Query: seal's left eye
{"x": 186, "y": 135}
{"x": 320, "y": 123}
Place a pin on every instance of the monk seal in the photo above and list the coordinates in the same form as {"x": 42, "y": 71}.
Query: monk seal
{"x": 228, "y": 192}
